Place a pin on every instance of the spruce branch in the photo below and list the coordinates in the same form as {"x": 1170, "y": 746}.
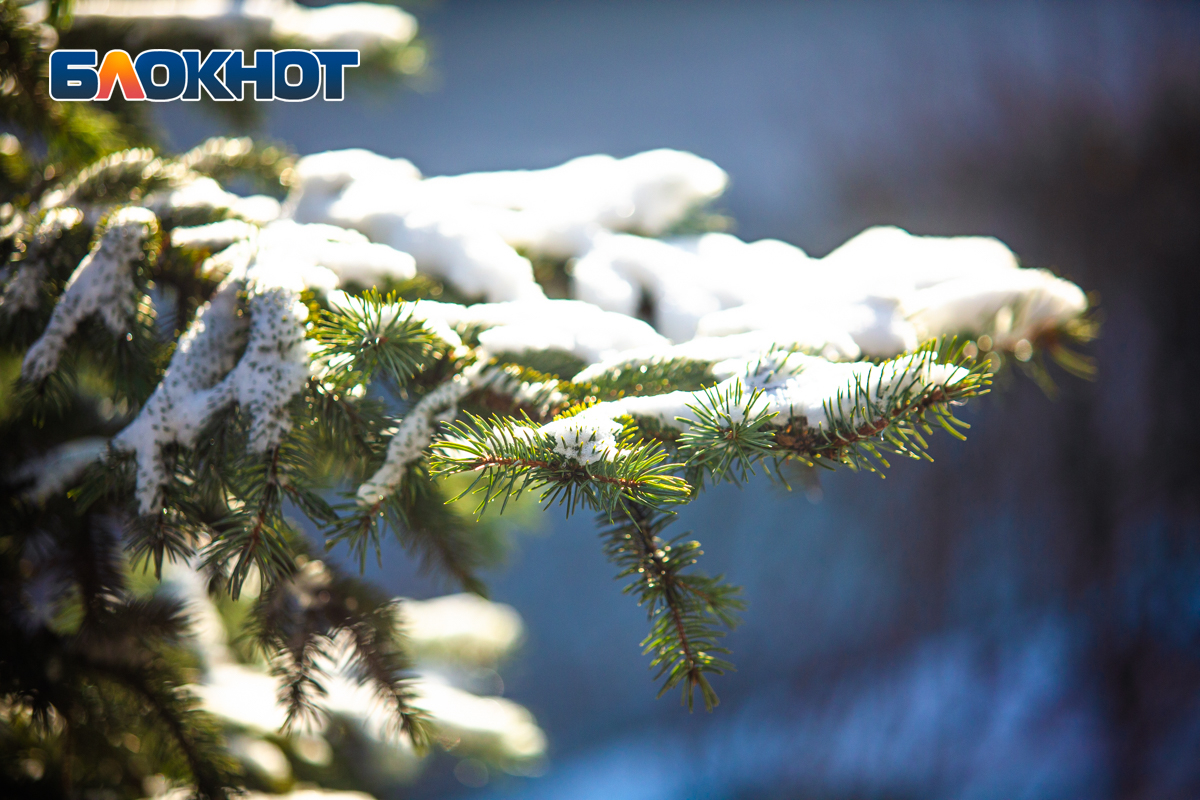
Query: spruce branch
{"x": 729, "y": 434}
{"x": 256, "y": 536}
{"x": 320, "y": 620}
{"x": 151, "y": 538}
{"x": 73, "y": 134}
{"x": 115, "y": 178}
{"x": 513, "y": 457}
{"x": 368, "y": 336}
{"x": 379, "y": 660}
{"x": 347, "y": 428}
{"x": 192, "y": 731}
{"x": 289, "y": 629}
{"x": 638, "y": 378}
{"x": 688, "y": 612}
{"x": 867, "y": 424}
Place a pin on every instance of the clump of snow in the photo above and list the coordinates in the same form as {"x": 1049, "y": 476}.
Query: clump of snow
{"x": 243, "y": 694}
{"x": 1009, "y": 307}
{"x": 555, "y": 212}
{"x": 261, "y": 756}
{"x": 102, "y": 285}
{"x": 584, "y": 438}
{"x": 58, "y": 468}
{"x": 320, "y": 178}
{"x": 349, "y": 255}
{"x": 872, "y": 326}
{"x": 24, "y": 287}
{"x": 352, "y": 26}
{"x": 878, "y": 295}
{"x": 381, "y": 198}
{"x": 198, "y": 193}
{"x": 491, "y": 725}
{"x": 464, "y": 228}
{"x": 618, "y": 269}
{"x": 214, "y": 236}
{"x": 717, "y": 285}
{"x": 569, "y": 325}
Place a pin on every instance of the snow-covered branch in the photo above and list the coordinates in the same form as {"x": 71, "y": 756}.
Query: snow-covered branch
{"x": 748, "y": 352}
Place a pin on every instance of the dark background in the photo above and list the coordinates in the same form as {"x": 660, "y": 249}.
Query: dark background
{"x": 1019, "y": 619}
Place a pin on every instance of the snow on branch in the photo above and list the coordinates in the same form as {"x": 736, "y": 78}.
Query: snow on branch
{"x": 780, "y": 403}
{"x": 25, "y": 288}
{"x": 466, "y": 229}
{"x": 534, "y": 326}
{"x": 255, "y": 354}
{"x": 878, "y": 295}
{"x": 414, "y": 434}
{"x": 103, "y": 285}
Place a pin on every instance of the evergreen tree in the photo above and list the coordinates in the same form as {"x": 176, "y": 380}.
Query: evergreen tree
{"x": 187, "y": 369}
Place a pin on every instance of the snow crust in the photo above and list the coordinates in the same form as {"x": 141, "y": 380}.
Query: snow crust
{"x": 102, "y": 285}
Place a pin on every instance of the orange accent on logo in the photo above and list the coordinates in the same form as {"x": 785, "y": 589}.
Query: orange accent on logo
{"x": 118, "y": 68}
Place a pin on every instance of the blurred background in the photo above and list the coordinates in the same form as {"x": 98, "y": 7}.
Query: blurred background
{"x": 1020, "y": 618}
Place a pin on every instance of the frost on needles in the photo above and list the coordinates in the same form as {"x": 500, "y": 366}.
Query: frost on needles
{"x": 581, "y": 332}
